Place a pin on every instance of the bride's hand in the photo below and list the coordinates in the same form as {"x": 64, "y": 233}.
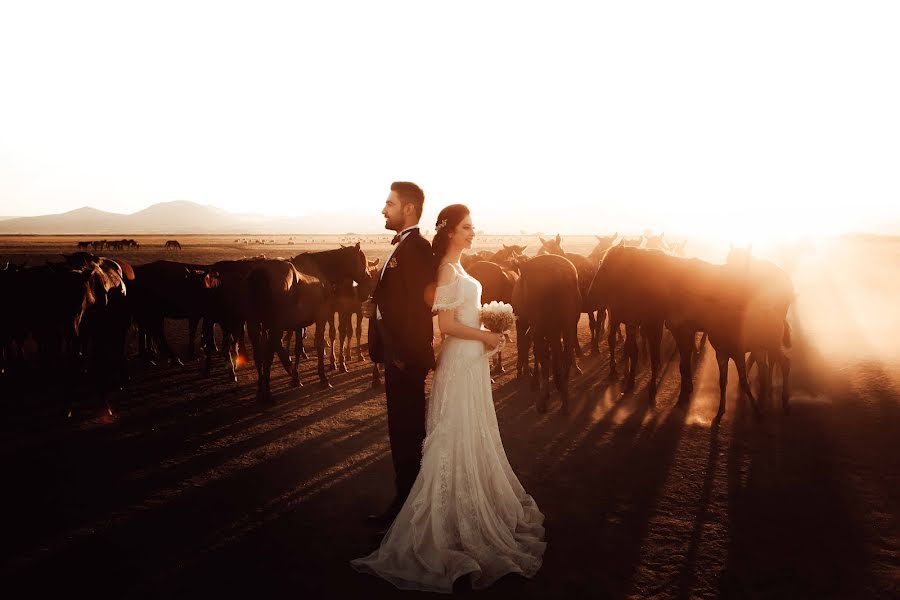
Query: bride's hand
{"x": 491, "y": 340}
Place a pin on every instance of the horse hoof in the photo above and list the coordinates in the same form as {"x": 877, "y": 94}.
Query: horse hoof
{"x": 325, "y": 384}
{"x": 295, "y": 382}
{"x": 344, "y": 369}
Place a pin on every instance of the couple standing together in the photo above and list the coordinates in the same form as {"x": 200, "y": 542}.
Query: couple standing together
{"x": 459, "y": 510}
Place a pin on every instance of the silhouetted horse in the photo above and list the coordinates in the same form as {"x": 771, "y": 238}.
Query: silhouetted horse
{"x": 292, "y": 295}
{"x": 768, "y": 285}
{"x": 347, "y": 302}
{"x": 227, "y": 303}
{"x": 497, "y": 284}
{"x": 624, "y": 292}
{"x": 166, "y": 289}
{"x": 648, "y": 287}
{"x": 173, "y": 245}
{"x": 547, "y": 303}
{"x": 586, "y": 269}
{"x": 51, "y": 303}
{"x": 105, "y": 328}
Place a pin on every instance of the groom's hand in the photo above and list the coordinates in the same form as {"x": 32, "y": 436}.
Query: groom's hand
{"x": 368, "y": 309}
{"x": 399, "y": 364}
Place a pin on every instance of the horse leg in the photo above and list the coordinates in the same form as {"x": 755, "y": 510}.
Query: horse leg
{"x": 654, "y": 339}
{"x": 302, "y": 336}
{"x": 579, "y": 353}
{"x": 541, "y": 372}
{"x": 320, "y": 350}
{"x": 785, "y": 364}
{"x": 685, "y": 342}
{"x": 270, "y": 344}
{"x": 611, "y": 343}
{"x": 745, "y": 384}
{"x": 359, "y": 354}
{"x": 285, "y": 359}
{"x": 376, "y": 376}
{"x": 345, "y": 332}
{"x": 332, "y": 333}
{"x": 193, "y": 323}
{"x": 523, "y": 343}
{"x": 208, "y": 343}
{"x": 722, "y": 361}
{"x": 631, "y": 355}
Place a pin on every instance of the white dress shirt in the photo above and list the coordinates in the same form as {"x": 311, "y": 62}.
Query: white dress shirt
{"x": 403, "y": 235}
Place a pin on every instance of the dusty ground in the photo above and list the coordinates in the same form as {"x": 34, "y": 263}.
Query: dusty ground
{"x": 191, "y": 490}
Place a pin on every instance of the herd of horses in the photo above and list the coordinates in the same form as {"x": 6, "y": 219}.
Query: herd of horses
{"x": 79, "y": 312}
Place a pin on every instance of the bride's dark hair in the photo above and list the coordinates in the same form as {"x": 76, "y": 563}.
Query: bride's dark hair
{"x": 447, "y": 221}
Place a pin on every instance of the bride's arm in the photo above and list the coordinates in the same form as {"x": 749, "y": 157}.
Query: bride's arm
{"x": 447, "y": 318}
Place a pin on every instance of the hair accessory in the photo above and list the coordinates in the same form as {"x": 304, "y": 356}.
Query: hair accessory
{"x": 440, "y": 225}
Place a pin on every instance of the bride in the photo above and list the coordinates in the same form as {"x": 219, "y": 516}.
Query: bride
{"x": 467, "y": 514}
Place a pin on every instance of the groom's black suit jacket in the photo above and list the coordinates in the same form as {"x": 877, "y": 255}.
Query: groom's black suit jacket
{"x": 406, "y": 331}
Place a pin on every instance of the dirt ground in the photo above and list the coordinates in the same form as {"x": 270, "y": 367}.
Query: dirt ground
{"x": 192, "y": 490}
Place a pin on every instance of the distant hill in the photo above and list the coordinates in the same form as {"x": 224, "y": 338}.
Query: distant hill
{"x": 181, "y": 216}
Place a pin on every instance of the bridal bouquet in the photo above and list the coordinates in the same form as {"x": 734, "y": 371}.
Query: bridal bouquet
{"x": 497, "y": 317}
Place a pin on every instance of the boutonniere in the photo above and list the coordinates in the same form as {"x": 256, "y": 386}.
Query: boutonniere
{"x": 392, "y": 263}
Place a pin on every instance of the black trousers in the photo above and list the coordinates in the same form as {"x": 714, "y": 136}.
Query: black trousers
{"x": 405, "y": 391}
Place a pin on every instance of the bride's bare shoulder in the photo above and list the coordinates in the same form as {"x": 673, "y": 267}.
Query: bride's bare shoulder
{"x": 446, "y": 273}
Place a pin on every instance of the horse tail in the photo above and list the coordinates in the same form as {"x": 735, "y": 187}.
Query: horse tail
{"x": 786, "y": 336}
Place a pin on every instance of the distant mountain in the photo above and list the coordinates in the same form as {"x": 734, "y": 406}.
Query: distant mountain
{"x": 181, "y": 216}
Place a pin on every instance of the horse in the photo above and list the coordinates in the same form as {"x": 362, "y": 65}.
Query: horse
{"x": 768, "y": 286}
{"x": 227, "y": 304}
{"x": 547, "y": 304}
{"x": 624, "y": 291}
{"x": 167, "y": 289}
{"x": 172, "y": 245}
{"x": 292, "y": 295}
{"x": 347, "y": 301}
{"x": 586, "y": 269}
{"x": 497, "y": 284}
{"x": 647, "y": 288}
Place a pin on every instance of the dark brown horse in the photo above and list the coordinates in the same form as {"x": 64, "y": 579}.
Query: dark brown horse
{"x": 586, "y": 269}
{"x": 769, "y": 286}
{"x": 227, "y": 303}
{"x": 648, "y": 287}
{"x": 497, "y": 284}
{"x": 347, "y": 300}
{"x": 166, "y": 289}
{"x": 292, "y": 295}
{"x": 105, "y": 327}
{"x": 624, "y": 293}
{"x": 547, "y": 304}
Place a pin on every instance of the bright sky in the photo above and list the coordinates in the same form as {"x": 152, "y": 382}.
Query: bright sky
{"x": 558, "y": 116}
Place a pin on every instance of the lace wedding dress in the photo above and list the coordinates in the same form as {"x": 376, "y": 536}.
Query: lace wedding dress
{"x": 467, "y": 511}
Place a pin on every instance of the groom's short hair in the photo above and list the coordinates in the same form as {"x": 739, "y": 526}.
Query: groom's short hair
{"x": 410, "y": 193}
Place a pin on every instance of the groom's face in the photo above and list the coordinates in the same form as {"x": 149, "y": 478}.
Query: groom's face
{"x": 395, "y": 212}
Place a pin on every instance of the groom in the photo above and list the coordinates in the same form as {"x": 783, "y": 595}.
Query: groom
{"x": 401, "y": 337}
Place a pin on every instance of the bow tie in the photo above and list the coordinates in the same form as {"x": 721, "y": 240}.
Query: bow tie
{"x": 399, "y": 236}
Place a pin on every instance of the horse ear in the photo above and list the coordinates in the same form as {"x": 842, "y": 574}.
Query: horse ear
{"x": 621, "y": 243}
{"x": 357, "y": 245}
{"x": 558, "y": 239}
{"x": 543, "y": 241}
{"x": 505, "y": 247}
{"x": 523, "y": 249}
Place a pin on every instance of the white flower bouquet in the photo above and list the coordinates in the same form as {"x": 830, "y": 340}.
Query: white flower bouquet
{"x": 497, "y": 317}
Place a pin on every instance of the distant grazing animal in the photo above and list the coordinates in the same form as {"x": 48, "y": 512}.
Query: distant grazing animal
{"x": 173, "y": 245}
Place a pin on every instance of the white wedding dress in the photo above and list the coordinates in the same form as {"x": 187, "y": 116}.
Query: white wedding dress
{"x": 467, "y": 511}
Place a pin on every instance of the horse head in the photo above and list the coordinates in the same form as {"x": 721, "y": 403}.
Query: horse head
{"x": 552, "y": 246}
